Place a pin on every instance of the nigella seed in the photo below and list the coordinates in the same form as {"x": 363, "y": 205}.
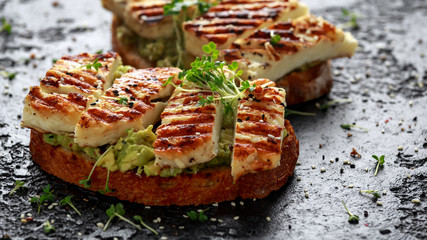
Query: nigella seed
{"x": 247, "y": 119}
{"x": 93, "y": 104}
{"x": 352, "y": 165}
{"x": 132, "y": 98}
{"x": 341, "y": 171}
{"x": 365, "y": 213}
{"x": 116, "y": 92}
{"x": 239, "y": 120}
{"x": 263, "y": 116}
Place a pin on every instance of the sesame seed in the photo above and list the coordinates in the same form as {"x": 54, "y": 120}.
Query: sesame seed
{"x": 181, "y": 227}
{"x": 50, "y": 207}
{"x": 254, "y": 199}
{"x": 298, "y": 163}
{"x": 242, "y": 203}
{"x": 306, "y": 195}
{"x": 100, "y": 225}
{"x": 54, "y": 204}
{"x": 23, "y": 220}
{"x": 268, "y": 219}
{"x": 79, "y": 234}
{"x": 213, "y": 219}
{"x": 411, "y": 103}
{"x": 115, "y": 238}
{"x": 199, "y": 210}
{"x": 298, "y": 178}
{"x": 400, "y": 148}
{"x": 261, "y": 121}
{"x": 331, "y": 160}
{"x": 416, "y": 149}
{"x": 164, "y": 238}
{"x": 350, "y": 186}
{"x": 336, "y": 73}
{"x": 215, "y": 204}
{"x": 197, "y": 133}
{"x": 22, "y": 216}
{"x": 147, "y": 207}
{"x": 233, "y": 204}
{"x": 384, "y": 192}
{"x": 382, "y": 131}
{"x": 220, "y": 220}
{"x": 68, "y": 216}
{"x": 322, "y": 170}
{"x": 236, "y": 218}
{"x": 185, "y": 216}
{"x": 408, "y": 176}
{"x": 81, "y": 79}
{"x": 313, "y": 167}
{"x": 379, "y": 203}
{"x": 161, "y": 227}
{"x": 305, "y": 190}
{"x": 366, "y": 169}
{"x": 415, "y": 200}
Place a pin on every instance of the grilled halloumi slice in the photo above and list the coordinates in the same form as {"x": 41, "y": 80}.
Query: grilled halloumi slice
{"x": 304, "y": 40}
{"x": 259, "y": 130}
{"x": 127, "y": 104}
{"x": 145, "y": 17}
{"x": 52, "y": 112}
{"x": 70, "y": 74}
{"x": 66, "y": 91}
{"x": 189, "y": 133}
{"x": 234, "y": 19}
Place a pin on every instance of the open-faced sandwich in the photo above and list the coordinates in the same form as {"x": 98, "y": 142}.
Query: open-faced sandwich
{"x": 161, "y": 136}
{"x": 274, "y": 39}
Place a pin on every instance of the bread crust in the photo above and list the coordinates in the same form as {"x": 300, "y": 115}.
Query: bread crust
{"x": 300, "y": 86}
{"x": 207, "y": 186}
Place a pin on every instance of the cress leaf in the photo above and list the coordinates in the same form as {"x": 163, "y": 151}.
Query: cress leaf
{"x": 110, "y": 212}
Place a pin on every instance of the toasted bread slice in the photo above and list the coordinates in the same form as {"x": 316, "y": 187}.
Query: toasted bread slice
{"x": 189, "y": 133}
{"x": 304, "y": 40}
{"x": 207, "y": 186}
{"x": 234, "y": 19}
{"x": 127, "y": 104}
{"x": 259, "y": 130}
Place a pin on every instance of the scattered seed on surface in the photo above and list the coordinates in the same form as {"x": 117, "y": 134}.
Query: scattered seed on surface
{"x": 400, "y": 148}
{"x": 416, "y": 149}
{"x": 298, "y": 163}
{"x": 161, "y": 227}
{"x": 366, "y": 169}
{"x": 298, "y": 178}
{"x": 220, "y": 220}
{"x": 384, "y": 192}
{"x": 415, "y": 200}
{"x": 181, "y": 227}
{"x": 147, "y": 207}
{"x": 411, "y": 103}
{"x": 236, "y": 218}
{"x": 213, "y": 219}
{"x": 379, "y": 203}
{"x": 164, "y": 238}
{"x": 23, "y": 220}
{"x": 79, "y": 234}
{"x": 22, "y": 216}
{"x": 100, "y": 225}
{"x": 268, "y": 219}
{"x": 408, "y": 176}
{"x": 350, "y": 186}
{"x": 382, "y": 131}
{"x": 365, "y": 213}
{"x": 313, "y": 167}
{"x": 331, "y": 160}
{"x": 68, "y": 216}
{"x": 233, "y": 204}
{"x": 322, "y": 170}
{"x": 215, "y": 204}
{"x": 306, "y": 195}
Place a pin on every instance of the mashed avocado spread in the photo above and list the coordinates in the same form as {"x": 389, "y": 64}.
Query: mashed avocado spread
{"x": 136, "y": 151}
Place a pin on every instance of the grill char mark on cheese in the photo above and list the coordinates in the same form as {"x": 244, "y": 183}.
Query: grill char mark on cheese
{"x": 258, "y": 132}
{"x": 189, "y": 133}
{"x": 70, "y": 71}
{"x": 148, "y": 13}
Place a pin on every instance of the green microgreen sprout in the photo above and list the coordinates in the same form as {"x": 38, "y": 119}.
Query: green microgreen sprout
{"x": 87, "y": 182}
{"x": 352, "y": 22}
{"x": 118, "y": 211}
{"x": 95, "y": 65}
{"x": 48, "y": 228}
{"x": 178, "y": 6}
{"x": 5, "y": 26}
{"x": 123, "y": 100}
{"x": 54, "y": 60}
{"x": 209, "y": 75}
{"x": 198, "y": 216}
{"x": 289, "y": 112}
{"x": 46, "y": 196}
{"x": 99, "y": 51}
{"x": 18, "y": 184}
{"x": 8, "y": 75}
{"x": 349, "y": 126}
{"x": 139, "y": 219}
{"x": 67, "y": 201}
{"x": 275, "y": 38}
{"x": 331, "y": 103}
{"x": 380, "y": 162}
{"x": 353, "y": 218}
{"x": 106, "y": 190}
{"x": 373, "y": 192}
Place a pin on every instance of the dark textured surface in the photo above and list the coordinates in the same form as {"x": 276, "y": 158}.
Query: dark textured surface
{"x": 388, "y": 71}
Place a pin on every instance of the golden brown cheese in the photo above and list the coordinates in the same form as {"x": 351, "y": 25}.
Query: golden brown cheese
{"x": 66, "y": 91}
{"x": 189, "y": 133}
{"x": 234, "y": 19}
{"x": 304, "y": 40}
{"x": 127, "y": 104}
{"x": 259, "y": 130}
